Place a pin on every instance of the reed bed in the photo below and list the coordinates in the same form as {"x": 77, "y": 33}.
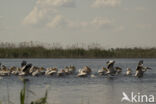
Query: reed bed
{"x": 23, "y": 92}
{"x": 29, "y": 50}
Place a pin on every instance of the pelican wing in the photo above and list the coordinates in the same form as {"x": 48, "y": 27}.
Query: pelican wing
{"x": 141, "y": 62}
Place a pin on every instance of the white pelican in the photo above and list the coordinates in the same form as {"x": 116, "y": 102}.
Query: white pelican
{"x": 118, "y": 70}
{"x": 61, "y": 72}
{"x": 42, "y": 70}
{"x": 25, "y": 68}
{"x": 85, "y": 71}
{"x": 82, "y": 74}
{"x": 70, "y": 70}
{"x": 129, "y": 72}
{"x": 4, "y": 71}
{"x": 51, "y": 71}
{"x": 140, "y": 69}
{"x": 21, "y": 73}
{"x": 14, "y": 70}
{"x": 102, "y": 71}
{"x": 110, "y": 67}
{"x": 34, "y": 71}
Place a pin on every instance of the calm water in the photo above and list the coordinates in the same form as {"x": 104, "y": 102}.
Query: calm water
{"x": 72, "y": 90}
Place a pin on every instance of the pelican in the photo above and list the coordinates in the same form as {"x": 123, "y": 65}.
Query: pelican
{"x": 102, "y": 71}
{"x": 129, "y": 72}
{"x": 14, "y": 70}
{"x": 66, "y": 69}
{"x": 21, "y": 73}
{"x": 34, "y": 71}
{"x": 110, "y": 67}
{"x": 4, "y": 71}
{"x": 61, "y": 72}
{"x": 23, "y": 63}
{"x": 87, "y": 69}
{"x": 51, "y": 71}
{"x": 25, "y": 68}
{"x": 84, "y": 72}
{"x": 140, "y": 69}
{"x": 70, "y": 70}
{"x": 42, "y": 70}
{"x": 118, "y": 70}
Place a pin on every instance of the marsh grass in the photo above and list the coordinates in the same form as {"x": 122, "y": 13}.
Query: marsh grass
{"x": 42, "y": 100}
{"x": 29, "y": 50}
{"x": 22, "y": 93}
{"x": 41, "y": 52}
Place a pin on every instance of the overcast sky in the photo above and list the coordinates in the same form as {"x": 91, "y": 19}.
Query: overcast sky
{"x": 111, "y": 23}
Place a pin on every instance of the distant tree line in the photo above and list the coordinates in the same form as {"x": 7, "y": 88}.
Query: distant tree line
{"x": 38, "y": 51}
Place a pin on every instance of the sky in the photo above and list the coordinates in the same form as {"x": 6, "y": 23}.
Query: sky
{"x": 109, "y": 23}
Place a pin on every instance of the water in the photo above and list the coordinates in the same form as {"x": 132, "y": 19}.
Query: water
{"x": 73, "y": 90}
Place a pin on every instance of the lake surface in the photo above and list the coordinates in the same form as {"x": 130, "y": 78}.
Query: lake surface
{"x": 73, "y": 90}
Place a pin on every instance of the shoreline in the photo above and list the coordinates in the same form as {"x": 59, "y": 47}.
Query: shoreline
{"x": 76, "y": 53}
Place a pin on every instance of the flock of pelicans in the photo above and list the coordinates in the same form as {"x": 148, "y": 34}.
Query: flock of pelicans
{"x": 110, "y": 70}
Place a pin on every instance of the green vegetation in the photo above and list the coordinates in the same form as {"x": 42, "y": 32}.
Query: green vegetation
{"x": 22, "y": 93}
{"x": 38, "y": 51}
{"x": 42, "y": 100}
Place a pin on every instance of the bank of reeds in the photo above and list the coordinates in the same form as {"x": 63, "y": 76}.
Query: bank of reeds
{"x": 39, "y": 51}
